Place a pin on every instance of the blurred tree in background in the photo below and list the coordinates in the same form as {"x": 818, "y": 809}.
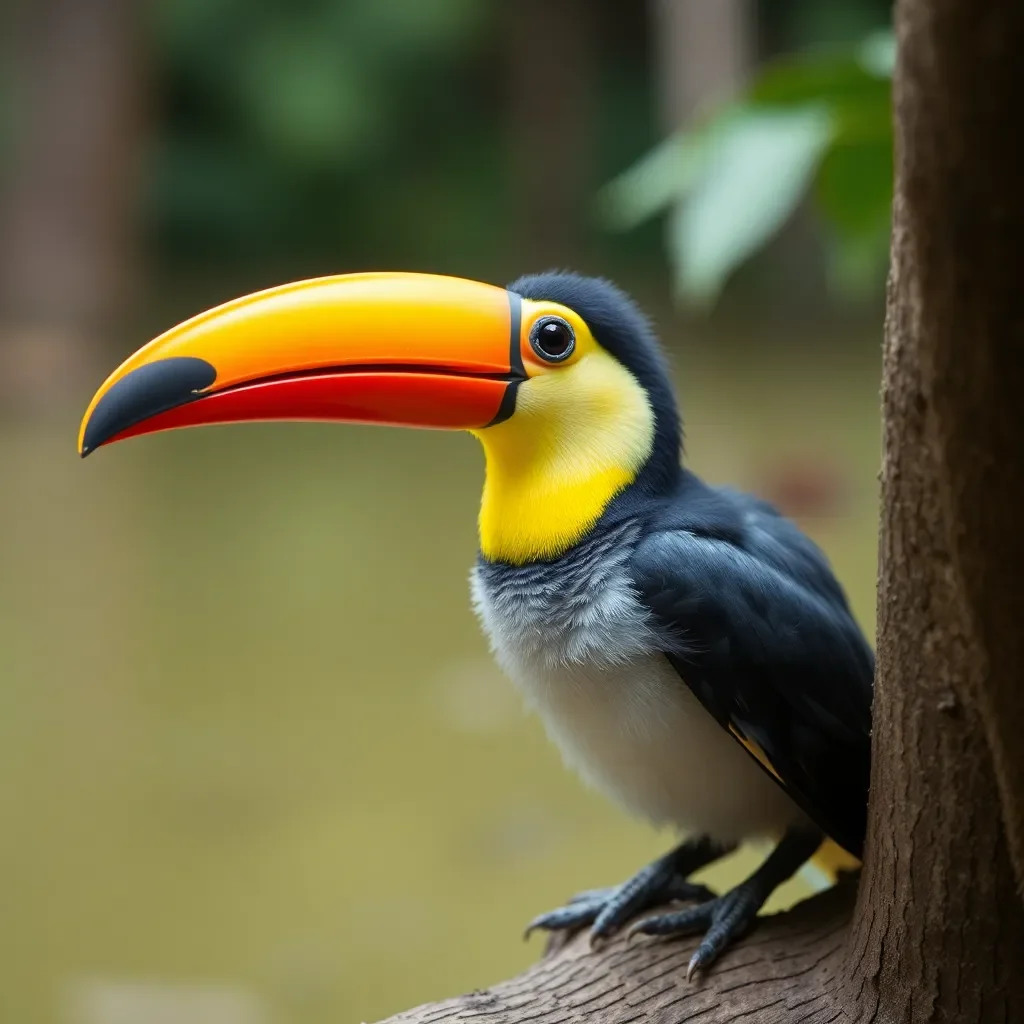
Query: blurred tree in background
{"x": 74, "y": 131}
{"x": 217, "y": 144}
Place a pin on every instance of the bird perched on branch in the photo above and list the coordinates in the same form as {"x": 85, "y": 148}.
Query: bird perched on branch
{"x": 688, "y": 649}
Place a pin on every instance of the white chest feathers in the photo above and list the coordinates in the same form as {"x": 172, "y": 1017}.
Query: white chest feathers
{"x": 580, "y": 647}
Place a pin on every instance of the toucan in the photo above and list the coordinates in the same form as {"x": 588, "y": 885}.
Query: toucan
{"x": 688, "y": 648}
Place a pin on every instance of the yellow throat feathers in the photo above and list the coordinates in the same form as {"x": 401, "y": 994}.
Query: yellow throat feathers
{"x": 579, "y": 435}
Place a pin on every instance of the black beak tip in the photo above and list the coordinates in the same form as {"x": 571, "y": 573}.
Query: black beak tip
{"x": 144, "y": 392}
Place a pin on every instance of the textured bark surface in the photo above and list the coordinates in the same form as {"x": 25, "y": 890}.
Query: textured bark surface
{"x": 939, "y": 933}
{"x": 782, "y": 972}
{"x": 962, "y": 186}
{"x": 937, "y": 930}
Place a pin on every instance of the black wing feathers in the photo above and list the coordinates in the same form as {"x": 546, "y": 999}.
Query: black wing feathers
{"x": 761, "y": 632}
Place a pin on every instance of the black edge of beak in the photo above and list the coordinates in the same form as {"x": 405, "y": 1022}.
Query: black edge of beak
{"x": 515, "y": 360}
{"x": 144, "y": 392}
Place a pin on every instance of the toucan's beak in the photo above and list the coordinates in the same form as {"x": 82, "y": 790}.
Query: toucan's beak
{"x": 405, "y": 349}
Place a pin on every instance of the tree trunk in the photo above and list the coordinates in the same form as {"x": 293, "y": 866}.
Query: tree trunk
{"x": 939, "y": 925}
{"x": 937, "y": 929}
{"x": 69, "y": 199}
{"x": 549, "y": 63}
{"x": 704, "y": 52}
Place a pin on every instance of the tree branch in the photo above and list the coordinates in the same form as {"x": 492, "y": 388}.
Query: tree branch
{"x": 784, "y": 971}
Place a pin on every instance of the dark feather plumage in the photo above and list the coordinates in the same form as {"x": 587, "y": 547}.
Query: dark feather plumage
{"x": 755, "y": 622}
{"x": 762, "y": 634}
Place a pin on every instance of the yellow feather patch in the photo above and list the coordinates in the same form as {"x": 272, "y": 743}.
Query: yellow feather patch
{"x": 823, "y": 869}
{"x": 832, "y": 858}
{"x": 579, "y": 435}
{"x": 756, "y": 751}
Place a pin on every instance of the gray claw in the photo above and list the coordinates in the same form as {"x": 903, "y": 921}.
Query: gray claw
{"x": 695, "y": 964}
{"x": 581, "y": 911}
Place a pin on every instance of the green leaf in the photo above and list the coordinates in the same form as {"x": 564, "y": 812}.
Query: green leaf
{"x": 865, "y": 123}
{"x": 730, "y": 184}
{"x": 817, "y": 78}
{"x": 857, "y": 264}
{"x": 877, "y": 54}
{"x": 854, "y": 187}
{"x": 758, "y": 167}
{"x": 653, "y": 183}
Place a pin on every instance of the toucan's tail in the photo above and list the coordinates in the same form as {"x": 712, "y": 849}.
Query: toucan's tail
{"x": 822, "y": 870}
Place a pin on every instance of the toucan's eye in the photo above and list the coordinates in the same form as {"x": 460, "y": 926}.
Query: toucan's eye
{"x": 553, "y": 338}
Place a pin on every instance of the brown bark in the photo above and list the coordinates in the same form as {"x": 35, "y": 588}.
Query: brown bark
{"x": 937, "y": 929}
{"x": 783, "y": 972}
{"x": 964, "y": 185}
{"x": 938, "y": 923}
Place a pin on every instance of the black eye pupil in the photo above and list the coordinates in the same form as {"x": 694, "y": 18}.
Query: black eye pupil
{"x": 553, "y": 338}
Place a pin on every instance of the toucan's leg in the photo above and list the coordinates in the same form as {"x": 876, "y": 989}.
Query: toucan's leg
{"x": 729, "y": 915}
{"x": 652, "y": 886}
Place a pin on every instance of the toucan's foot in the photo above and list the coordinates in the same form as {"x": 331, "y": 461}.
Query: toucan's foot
{"x": 728, "y": 916}
{"x": 608, "y": 909}
{"x": 664, "y": 881}
{"x": 721, "y": 919}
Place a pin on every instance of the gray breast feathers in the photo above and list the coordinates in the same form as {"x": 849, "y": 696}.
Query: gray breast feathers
{"x": 578, "y": 610}
{"x": 583, "y": 649}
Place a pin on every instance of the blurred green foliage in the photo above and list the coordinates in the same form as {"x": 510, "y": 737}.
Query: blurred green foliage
{"x": 281, "y": 122}
{"x": 293, "y": 136}
{"x": 340, "y": 133}
{"x": 320, "y": 135}
{"x": 819, "y": 123}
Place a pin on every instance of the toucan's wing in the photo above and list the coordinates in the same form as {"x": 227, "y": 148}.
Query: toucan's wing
{"x": 761, "y": 633}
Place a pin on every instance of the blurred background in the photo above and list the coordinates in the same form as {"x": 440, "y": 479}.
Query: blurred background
{"x": 255, "y": 762}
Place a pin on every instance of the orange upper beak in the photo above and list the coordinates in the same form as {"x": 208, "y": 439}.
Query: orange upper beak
{"x": 405, "y": 349}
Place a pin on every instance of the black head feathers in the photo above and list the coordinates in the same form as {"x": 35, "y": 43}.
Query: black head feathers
{"x": 619, "y": 326}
